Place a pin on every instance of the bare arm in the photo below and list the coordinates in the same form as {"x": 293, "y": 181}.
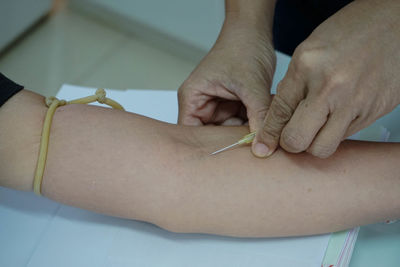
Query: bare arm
{"x": 102, "y": 160}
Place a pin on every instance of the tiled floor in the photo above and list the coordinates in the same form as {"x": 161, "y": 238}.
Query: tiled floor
{"x": 71, "y": 48}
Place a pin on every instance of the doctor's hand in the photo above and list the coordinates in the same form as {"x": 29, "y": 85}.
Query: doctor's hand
{"x": 341, "y": 79}
{"x": 232, "y": 83}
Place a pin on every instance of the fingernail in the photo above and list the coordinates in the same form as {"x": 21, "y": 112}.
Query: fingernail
{"x": 261, "y": 150}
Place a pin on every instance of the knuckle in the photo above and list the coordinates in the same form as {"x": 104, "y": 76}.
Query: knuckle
{"x": 190, "y": 84}
{"x": 304, "y": 59}
{"x": 280, "y": 111}
{"x": 322, "y": 151}
{"x": 278, "y": 115}
{"x": 334, "y": 90}
{"x": 188, "y": 93}
{"x": 335, "y": 79}
{"x": 270, "y": 131}
{"x": 182, "y": 91}
{"x": 292, "y": 141}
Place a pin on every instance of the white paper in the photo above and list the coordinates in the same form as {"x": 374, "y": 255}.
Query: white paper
{"x": 38, "y": 232}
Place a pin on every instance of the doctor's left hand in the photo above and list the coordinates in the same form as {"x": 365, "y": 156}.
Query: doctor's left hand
{"x": 342, "y": 78}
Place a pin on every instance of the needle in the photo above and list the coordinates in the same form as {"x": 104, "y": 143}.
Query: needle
{"x": 247, "y": 139}
{"x": 225, "y": 148}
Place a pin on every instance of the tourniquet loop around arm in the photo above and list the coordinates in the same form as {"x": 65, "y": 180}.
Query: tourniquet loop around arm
{"x": 53, "y": 103}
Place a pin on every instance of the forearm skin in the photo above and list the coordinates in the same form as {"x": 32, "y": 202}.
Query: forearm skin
{"x": 134, "y": 167}
{"x": 130, "y": 166}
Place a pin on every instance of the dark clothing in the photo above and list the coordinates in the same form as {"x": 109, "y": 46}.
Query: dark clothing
{"x": 295, "y": 20}
{"x": 7, "y": 89}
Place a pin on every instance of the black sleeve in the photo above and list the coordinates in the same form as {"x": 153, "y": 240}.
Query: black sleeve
{"x": 294, "y": 20}
{"x": 8, "y": 88}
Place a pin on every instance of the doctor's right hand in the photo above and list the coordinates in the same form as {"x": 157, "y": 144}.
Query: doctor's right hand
{"x": 232, "y": 83}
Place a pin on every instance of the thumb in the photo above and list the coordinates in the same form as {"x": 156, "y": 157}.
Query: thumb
{"x": 187, "y": 107}
{"x": 256, "y": 98}
{"x": 289, "y": 93}
{"x": 257, "y": 107}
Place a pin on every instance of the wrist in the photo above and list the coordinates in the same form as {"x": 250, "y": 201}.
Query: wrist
{"x": 257, "y": 14}
{"x": 236, "y": 28}
{"x": 241, "y": 33}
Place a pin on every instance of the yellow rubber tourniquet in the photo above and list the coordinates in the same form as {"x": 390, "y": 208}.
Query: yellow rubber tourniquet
{"x": 53, "y": 103}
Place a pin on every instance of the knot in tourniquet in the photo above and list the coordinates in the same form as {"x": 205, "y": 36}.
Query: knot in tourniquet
{"x": 50, "y": 99}
{"x": 101, "y": 95}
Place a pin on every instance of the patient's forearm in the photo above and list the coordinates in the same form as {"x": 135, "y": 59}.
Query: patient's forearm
{"x": 130, "y": 166}
{"x": 289, "y": 194}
